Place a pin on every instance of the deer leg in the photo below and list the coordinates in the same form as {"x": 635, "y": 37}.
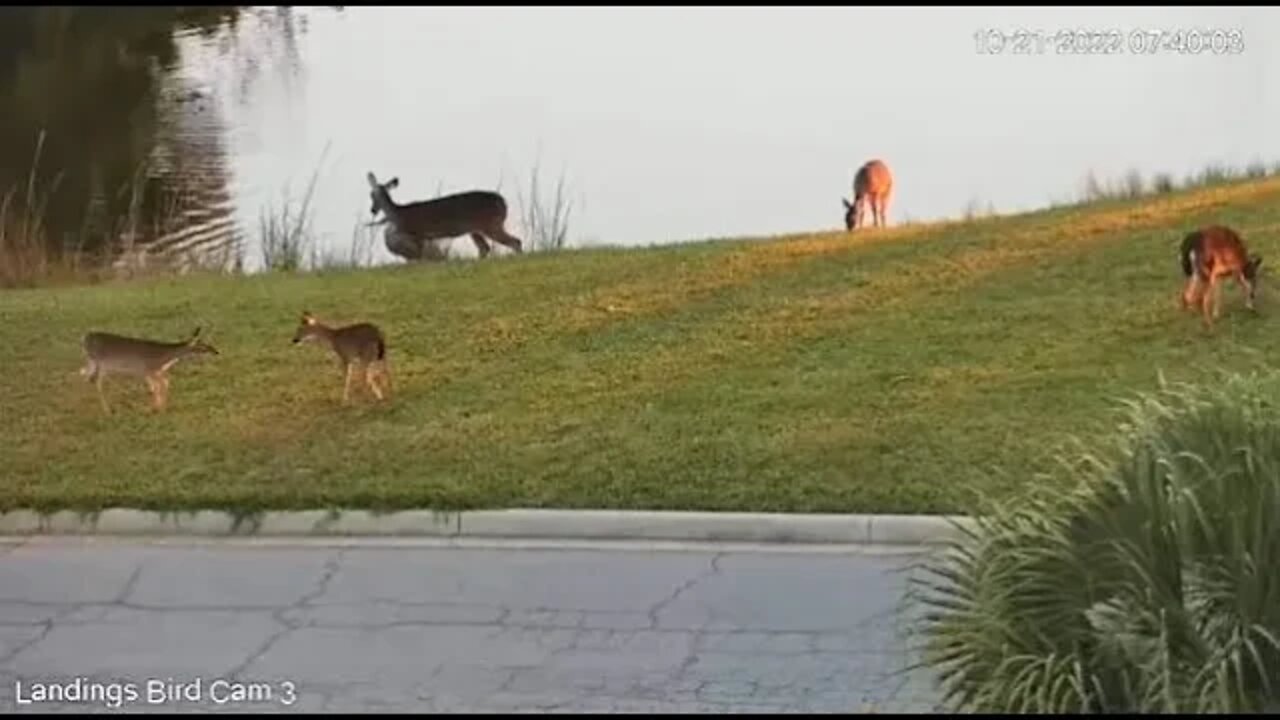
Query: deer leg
{"x": 369, "y": 373}
{"x": 159, "y": 392}
{"x": 102, "y": 396}
{"x": 481, "y": 244}
{"x": 154, "y": 390}
{"x": 1190, "y": 291}
{"x": 1208, "y": 305}
{"x": 346, "y": 385}
{"x": 884, "y": 210}
{"x": 433, "y": 251}
{"x": 384, "y": 370}
{"x": 1246, "y": 287}
{"x": 500, "y": 234}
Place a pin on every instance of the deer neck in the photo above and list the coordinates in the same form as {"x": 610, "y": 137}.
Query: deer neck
{"x": 325, "y": 333}
{"x": 393, "y": 212}
{"x": 175, "y": 353}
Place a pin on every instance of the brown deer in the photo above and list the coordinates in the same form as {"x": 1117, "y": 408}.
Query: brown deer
{"x": 358, "y": 344}
{"x": 1208, "y": 255}
{"x": 872, "y": 185}
{"x": 417, "y": 225}
{"x": 112, "y": 354}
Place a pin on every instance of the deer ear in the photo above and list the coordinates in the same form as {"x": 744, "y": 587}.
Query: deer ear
{"x": 373, "y": 181}
{"x": 847, "y": 206}
{"x": 393, "y": 183}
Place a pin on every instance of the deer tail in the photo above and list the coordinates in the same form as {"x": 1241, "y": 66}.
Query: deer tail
{"x": 382, "y": 349}
{"x": 1187, "y": 251}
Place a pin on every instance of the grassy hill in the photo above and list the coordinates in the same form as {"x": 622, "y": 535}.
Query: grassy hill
{"x": 881, "y": 371}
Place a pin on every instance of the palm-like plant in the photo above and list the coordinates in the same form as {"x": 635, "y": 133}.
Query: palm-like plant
{"x": 1154, "y": 587}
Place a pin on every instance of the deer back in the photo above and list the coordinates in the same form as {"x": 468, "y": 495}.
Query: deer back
{"x": 451, "y": 215}
{"x": 1222, "y": 242}
{"x": 873, "y": 179}
{"x": 136, "y": 356}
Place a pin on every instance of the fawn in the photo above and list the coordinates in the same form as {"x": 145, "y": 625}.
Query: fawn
{"x": 871, "y": 186}
{"x": 110, "y": 354}
{"x": 360, "y": 343}
{"x": 1208, "y": 255}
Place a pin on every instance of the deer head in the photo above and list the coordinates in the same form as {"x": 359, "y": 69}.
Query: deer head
{"x": 380, "y": 194}
{"x": 850, "y": 213}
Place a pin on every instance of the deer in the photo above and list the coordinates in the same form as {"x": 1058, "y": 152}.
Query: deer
{"x": 111, "y": 354}
{"x": 361, "y": 343}
{"x": 411, "y": 227}
{"x": 873, "y": 184}
{"x": 1208, "y": 255}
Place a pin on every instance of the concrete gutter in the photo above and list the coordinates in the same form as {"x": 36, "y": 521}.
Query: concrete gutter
{"x": 507, "y": 524}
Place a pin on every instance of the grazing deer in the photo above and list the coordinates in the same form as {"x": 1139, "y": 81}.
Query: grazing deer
{"x": 872, "y": 185}
{"x": 109, "y": 354}
{"x": 1208, "y": 255}
{"x": 361, "y": 343}
{"x": 478, "y": 213}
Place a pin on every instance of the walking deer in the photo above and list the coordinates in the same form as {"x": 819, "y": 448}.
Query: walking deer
{"x": 110, "y": 354}
{"x": 413, "y": 226}
{"x": 1208, "y": 255}
{"x": 362, "y": 343}
{"x": 872, "y": 185}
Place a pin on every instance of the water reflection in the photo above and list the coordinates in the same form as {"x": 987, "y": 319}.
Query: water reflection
{"x": 108, "y": 141}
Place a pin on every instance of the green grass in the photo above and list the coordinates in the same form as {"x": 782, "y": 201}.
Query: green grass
{"x": 898, "y": 370}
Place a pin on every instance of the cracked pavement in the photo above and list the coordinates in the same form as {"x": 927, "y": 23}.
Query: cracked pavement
{"x": 340, "y": 625}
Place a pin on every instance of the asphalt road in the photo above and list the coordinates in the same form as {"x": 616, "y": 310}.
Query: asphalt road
{"x": 306, "y": 626}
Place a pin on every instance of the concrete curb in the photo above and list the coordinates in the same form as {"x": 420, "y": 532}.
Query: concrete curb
{"x": 517, "y": 524}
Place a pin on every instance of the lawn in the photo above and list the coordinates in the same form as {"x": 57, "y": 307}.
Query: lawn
{"x": 896, "y": 370}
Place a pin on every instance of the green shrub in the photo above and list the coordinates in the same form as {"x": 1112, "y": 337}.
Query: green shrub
{"x": 1154, "y": 587}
